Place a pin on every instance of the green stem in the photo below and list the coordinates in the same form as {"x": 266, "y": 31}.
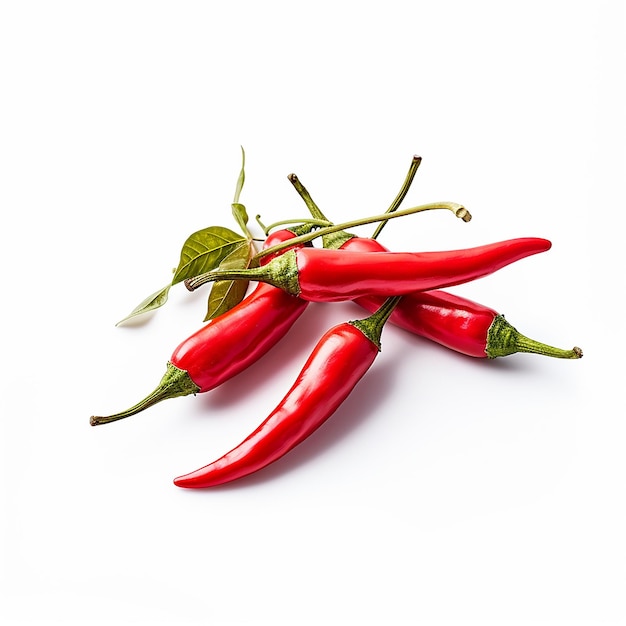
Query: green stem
{"x": 306, "y": 220}
{"x": 175, "y": 382}
{"x": 372, "y": 326}
{"x": 415, "y": 163}
{"x": 336, "y": 240}
{"x": 504, "y": 339}
{"x": 261, "y": 225}
{"x": 458, "y": 209}
{"x": 331, "y": 240}
{"x": 306, "y": 196}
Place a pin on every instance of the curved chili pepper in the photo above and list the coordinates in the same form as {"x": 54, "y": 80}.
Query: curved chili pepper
{"x": 339, "y": 360}
{"x": 321, "y": 275}
{"x": 226, "y": 345}
{"x": 456, "y": 322}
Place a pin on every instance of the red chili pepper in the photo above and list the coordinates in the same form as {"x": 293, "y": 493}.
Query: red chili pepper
{"x": 340, "y": 359}
{"x": 226, "y": 345}
{"x": 456, "y": 322}
{"x": 321, "y": 275}
{"x": 463, "y": 325}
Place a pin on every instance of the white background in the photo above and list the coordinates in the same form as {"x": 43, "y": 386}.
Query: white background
{"x": 447, "y": 490}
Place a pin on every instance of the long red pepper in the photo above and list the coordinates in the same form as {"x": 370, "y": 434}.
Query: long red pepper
{"x": 340, "y": 359}
{"x": 456, "y": 322}
{"x": 226, "y": 345}
{"x": 321, "y": 275}
{"x": 450, "y": 320}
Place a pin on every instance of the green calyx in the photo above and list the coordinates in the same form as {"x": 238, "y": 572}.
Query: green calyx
{"x": 302, "y": 229}
{"x": 334, "y": 241}
{"x": 372, "y": 326}
{"x": 504, "y": 339}
{"x": 281, "y": 272}
{"x": 175, "y": 382}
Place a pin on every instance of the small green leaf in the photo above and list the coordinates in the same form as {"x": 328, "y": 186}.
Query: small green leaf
{"x": 242, "y": 177}
{"x": 204, "y": 250}
{"x": 152, "y": 302}
{"x": 225, "y": 294}
{"x": 241, "y": 217}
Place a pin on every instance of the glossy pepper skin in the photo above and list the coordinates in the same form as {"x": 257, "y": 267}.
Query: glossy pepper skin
{"x": 321, "y": 275}
{"x": 232, "y": 342}
{"x": 235, "y": 340}
{"x": 463, "y": 325}
{"x": 455, "y": 322}
{"x": 226, "y": 345}
{"x": 338, "y": 362}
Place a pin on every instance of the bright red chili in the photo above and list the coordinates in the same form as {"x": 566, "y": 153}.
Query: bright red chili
{"x": 340, "y": 359}
{"x": 226, "y": 345}
{"x": 456, "y": 322}
{"x": 463, "y": 325}
{"x": 321, "y": 275}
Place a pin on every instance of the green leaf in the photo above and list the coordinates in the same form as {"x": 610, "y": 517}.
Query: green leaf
{"x": 239, "y": 210}
{"x": 242, "y": 177}
{"x": 152, "y": 302}
{"x": 204, "y": 250}
{"x": 241, "y": 217}
{"x": 225, "y": 294}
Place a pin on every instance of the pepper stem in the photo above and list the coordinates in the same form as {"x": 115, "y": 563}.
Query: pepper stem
{"x": 281, "y": 271}
{"x": 175, "y": 382}
{"x": 415, "y": 163}
{"x": 307, "y": 221}
{"x": 372, "y": 326}
{"x": 314, "y": 210}
{"x": 504, "y": 339}
{"x": 458, "y": 209}
{"x": 331, "y": 240}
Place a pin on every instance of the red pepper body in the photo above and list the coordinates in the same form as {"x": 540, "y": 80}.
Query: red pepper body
{"x": 338, "y": 362}
{"x": 452, "y": 321}
{"x": 456, "y": 322}
{"x": 235, "y": 340}
{"x": 336, "y": 275}
{"x": 232, "y": 342}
